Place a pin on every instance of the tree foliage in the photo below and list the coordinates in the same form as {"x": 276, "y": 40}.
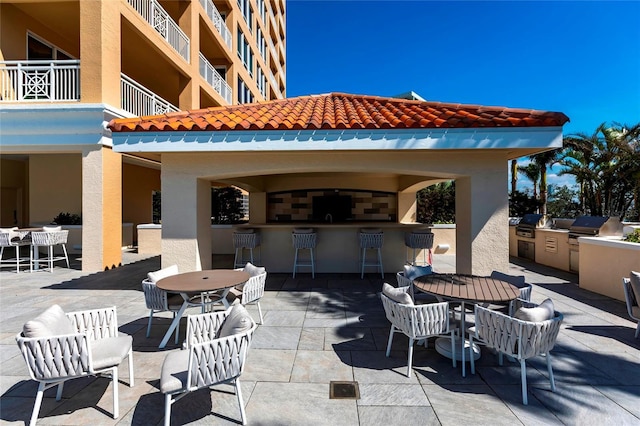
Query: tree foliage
{"x": 437, "y": 203}
{"x": 226, "y": 205}
{"x": 606, "y": 165}
{"x": 521, "y": 203}
{"x": 563, "y": 202}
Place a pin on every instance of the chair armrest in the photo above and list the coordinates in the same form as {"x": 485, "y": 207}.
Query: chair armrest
{"x": 96, "y": 323}
{"x": 55, "y": 357}
{"x": 253, "y": 289}
{"x": 154, "y": 297}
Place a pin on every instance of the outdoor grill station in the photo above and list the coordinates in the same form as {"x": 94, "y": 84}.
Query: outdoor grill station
{"x": 555, "y": 242}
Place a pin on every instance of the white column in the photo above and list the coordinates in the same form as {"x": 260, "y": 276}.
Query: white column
{"x": 482, "y": 228}
{"x": 186, "y": 218}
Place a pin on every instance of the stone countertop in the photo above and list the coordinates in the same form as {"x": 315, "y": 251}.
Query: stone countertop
{"x": 320, "y": 225}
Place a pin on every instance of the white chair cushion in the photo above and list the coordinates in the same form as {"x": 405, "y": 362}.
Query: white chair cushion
{"x": 110, "y": 352}
{"x": 412, "y": 272}
{"x": 52, "y": 228}
{"x": 371, "y": 230}
{"x": 162, "y": 273}
{"x": 174, "y": 371}
{"x": 244, "y": 231}
{"x": 542, "y": 312}
{"x": 238, "y": 321}
{"x": 397, "y": 294}
{"x": 634, "y": 277}
{"x": 253, "y": 270}
{"x": 303, "y": 231}
{"x": 52, "y": 322}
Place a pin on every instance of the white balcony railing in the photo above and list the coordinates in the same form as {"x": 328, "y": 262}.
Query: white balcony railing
{"x": 139, "y": 101}
{"x": 218, "y": 22}
{"x": 24, "y": 81}
{"x": 160, "y": 20}
{"x": 214, "y": 78}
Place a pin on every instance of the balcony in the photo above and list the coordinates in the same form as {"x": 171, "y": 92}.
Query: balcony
{"x": 139, "y": 101}
{"x": 159, "y": 19}
{"x": 215, "y": 79}
{"x": 218, "y": 22}
{"x": 38, "y": 81}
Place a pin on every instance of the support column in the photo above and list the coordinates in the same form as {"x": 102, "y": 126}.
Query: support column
{"x": 482, "y": 223}
{"x": 407, "y": 205}
{"x": 101, "y": 209}
{"x": 186, "y": 218}
{"x": 189, "y": 89}
{"x": 100, "y": 67}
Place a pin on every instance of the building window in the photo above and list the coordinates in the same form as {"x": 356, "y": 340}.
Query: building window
{"x": 39, "y": 49}
{"x": 262, "y": 10}
{"x": 262, "y": 44}
{"x": 245, "y": 9}
{"x": 245, "y": 53}
{"x": 244, "y": 94}
{"x": 261, "y": 81}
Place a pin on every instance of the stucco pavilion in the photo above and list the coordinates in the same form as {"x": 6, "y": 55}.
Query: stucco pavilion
{"x": 339, "y": 141}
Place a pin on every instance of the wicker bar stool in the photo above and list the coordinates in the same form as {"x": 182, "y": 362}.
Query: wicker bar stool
{"x": 419, "y": 241}
{"x": 245, "y": 239}
{"x": 371, "y": 239}
{"x": 304, "y": 239}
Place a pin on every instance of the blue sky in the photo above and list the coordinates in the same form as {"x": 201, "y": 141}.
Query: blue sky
{"x": 580, "y": 58}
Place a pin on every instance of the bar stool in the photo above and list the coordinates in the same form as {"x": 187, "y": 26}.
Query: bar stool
{"x": 304, "y": 239}
{"x": 244, "y": 239}
{"x": 419, "y": 240}
{"x": 371, "y": 239}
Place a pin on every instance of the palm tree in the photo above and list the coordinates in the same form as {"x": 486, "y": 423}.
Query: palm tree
{"x": 514, "y": 175}
{"x": 544, "y": 160}
{"x": 606, "y": 164}
{"x": 532, "y": 172}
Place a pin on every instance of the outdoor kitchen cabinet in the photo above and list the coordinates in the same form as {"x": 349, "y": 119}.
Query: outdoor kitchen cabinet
{"x": 552, "y": 248}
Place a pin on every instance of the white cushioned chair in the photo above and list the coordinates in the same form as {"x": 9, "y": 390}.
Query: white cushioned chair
{"x": 417, "y": 322}
{"x": 49, "y": 239}
{"x": 252, "y": 291}
{"x": 215, "y": 351}
{"x": 10, "y": 238}
{"x": 518, "y": 339}
{"x": 158, "y": 300}
{"x": 631, "y": 295}
{"x": 58, "y": 347}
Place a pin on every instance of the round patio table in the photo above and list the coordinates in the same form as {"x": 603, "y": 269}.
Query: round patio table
{"x": 199, "y": 282}
{"x": 465, "y": 288}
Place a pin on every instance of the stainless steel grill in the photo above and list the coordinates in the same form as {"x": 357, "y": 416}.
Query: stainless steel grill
{"x": 593, "y": 226}
{"x": 528, "y": 224}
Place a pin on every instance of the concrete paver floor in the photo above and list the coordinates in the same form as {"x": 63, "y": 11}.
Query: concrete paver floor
{"x": 331, "y": 328}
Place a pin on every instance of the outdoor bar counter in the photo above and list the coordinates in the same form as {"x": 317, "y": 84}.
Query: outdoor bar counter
{"x": 338, "y": 247}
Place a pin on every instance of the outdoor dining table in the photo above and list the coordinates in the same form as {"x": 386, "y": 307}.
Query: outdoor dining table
{"x": 464, "y": 289}
{"x": 204, "y": 282}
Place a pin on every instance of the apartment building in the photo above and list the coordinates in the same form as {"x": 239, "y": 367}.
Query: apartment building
{"x": 68, "y": 67}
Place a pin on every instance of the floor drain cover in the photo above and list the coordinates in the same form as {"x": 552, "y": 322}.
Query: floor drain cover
{"x": 344, "y": 390}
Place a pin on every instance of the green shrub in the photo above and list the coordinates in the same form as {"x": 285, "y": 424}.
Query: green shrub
{"x": 67, "y": 219}
{"x": 633, "y": 237}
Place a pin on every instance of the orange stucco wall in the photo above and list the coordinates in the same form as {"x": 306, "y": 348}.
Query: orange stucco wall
{"x": 111, "y": 207}
{"x": 138, "y": 184}
{"x": 55, "y": 186}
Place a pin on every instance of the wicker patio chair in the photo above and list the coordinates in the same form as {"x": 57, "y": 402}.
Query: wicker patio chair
{"x": 158, "y": 300}
{"x": 58, "y": 347}
{"x": 49, "y": 239}
{"x": 215, "y": 351}
{"x": 417, "y": 322}
{"x": 517, "y": 338}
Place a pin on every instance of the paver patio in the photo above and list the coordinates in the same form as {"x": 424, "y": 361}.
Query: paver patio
{"x": 331, "y": 328}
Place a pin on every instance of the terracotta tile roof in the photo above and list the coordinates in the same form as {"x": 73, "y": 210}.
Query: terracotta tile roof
{"x": 340, "y": 111}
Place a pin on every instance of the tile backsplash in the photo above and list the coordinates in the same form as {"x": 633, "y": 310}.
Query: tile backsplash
{"x": 297, "y": 206}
